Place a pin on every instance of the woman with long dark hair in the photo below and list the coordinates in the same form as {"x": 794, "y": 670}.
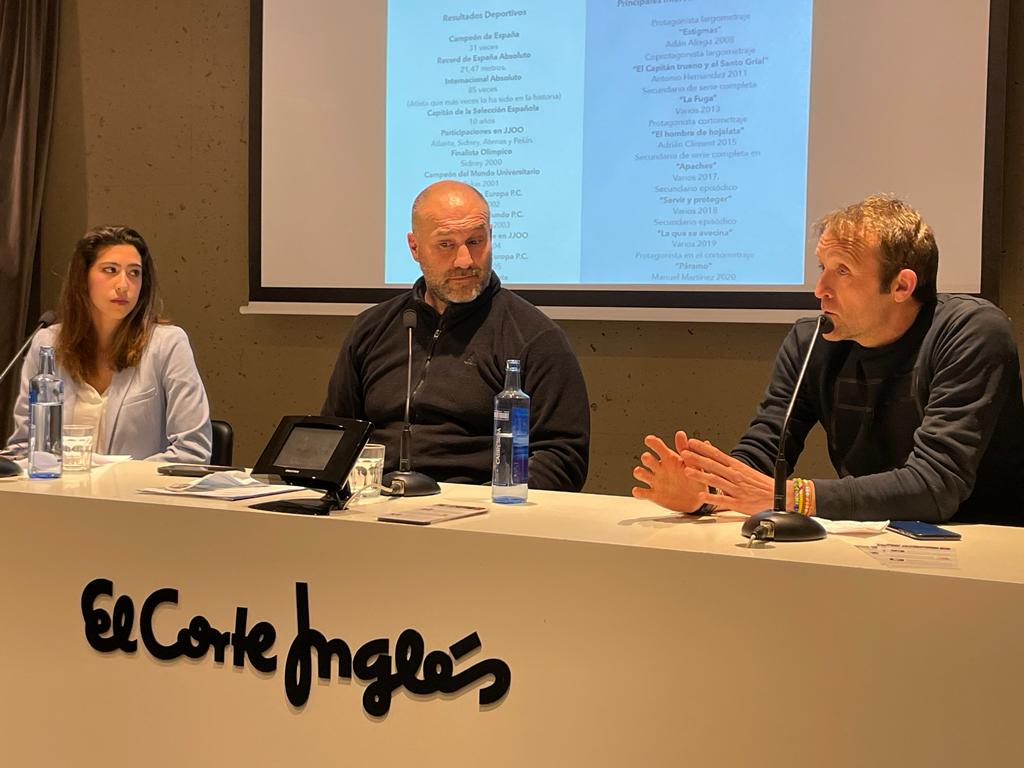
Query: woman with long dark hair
{"x": 126, "y": 370}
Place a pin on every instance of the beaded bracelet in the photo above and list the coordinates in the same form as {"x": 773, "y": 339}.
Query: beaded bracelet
{"x": 801, "y": 496}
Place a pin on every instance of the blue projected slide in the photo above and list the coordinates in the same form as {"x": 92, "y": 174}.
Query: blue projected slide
{"x": 618, "y": 142}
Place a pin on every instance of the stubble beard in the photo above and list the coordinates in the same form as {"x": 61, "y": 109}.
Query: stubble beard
{"x": 464, "y": 293}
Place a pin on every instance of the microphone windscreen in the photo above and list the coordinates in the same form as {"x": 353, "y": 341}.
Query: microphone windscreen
{"x": 48, "y": 318}
{"x": 825, "y": 324}
{"x": 409, "y": 318}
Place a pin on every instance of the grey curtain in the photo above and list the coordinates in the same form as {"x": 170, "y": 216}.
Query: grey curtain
{"x": 28, "y": 70}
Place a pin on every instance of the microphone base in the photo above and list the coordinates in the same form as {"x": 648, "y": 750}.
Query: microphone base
{"x": 408, "y": 484}
{"x": 8, "y": 468}
{"x": 771, "y": 525}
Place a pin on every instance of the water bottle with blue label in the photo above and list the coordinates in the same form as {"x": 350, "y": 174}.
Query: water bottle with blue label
{"x": 45, "y": 418}
{"x": 511, "y": 440}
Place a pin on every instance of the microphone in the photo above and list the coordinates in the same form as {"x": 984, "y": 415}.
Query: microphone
{"x": 45, "y": 321}
{"x": 776, "y": 524}
{"x": 7, "y": 467}
{"x": 405, "y": 482}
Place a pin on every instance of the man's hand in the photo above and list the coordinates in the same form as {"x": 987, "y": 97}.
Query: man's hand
{"x": 740, "y": 487}
{"x": 671, "y": 485}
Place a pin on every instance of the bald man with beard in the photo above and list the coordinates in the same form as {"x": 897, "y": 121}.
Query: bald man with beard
{"x": 467, "y": 327}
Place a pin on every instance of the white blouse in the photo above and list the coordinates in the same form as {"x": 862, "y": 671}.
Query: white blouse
{"x": 89, "y": 408}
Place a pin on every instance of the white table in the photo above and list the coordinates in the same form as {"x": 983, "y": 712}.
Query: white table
{"x": 631, "y": 637}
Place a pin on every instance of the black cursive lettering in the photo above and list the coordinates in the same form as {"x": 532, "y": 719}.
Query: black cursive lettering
{"x": 298, "y": 676}
{"x": 156, "y": 650}
{"x": 98, "y": 622}
{"x": 371, "y": 663}
{"x": 254, "y": 644}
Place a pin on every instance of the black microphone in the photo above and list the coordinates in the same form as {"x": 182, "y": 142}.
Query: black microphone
{"x": 405, "y": 482}
{"x": 7, "y": 467}
{"x": 45, "y": 320}
{"x": 776, "y": 524}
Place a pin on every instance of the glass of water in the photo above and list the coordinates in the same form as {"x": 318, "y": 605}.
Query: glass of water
{"x": 364, "y": 479}
{"x": 77, "y": 441}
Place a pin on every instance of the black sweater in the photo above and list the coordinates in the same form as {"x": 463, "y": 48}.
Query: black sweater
{"x": 928, "y": 428}
{"x": 458, "y": 367}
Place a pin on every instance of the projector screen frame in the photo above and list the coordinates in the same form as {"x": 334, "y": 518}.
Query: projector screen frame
{"x": 681, "y": 305}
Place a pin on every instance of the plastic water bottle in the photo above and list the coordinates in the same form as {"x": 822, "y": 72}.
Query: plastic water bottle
{"x": 45, "y": 419}
{"x": 511, "y": 440}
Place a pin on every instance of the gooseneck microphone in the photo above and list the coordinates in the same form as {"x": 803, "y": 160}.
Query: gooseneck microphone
{"x": 776, "y": 524}
{"x": 45, "y": 320}
{"x": 405, "y": 482}
{"x": 7, "y": 467}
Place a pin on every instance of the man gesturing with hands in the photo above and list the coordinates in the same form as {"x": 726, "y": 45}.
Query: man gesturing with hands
{"x": 919, "y": 394}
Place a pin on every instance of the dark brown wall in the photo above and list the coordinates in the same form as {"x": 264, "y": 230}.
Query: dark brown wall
{"x": 152, "y": 130}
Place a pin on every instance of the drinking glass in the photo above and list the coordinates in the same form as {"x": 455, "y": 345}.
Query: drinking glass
{"x": 76, "y": 442}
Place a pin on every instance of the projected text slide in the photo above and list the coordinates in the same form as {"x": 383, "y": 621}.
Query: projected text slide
{"x": 618, "y": 142}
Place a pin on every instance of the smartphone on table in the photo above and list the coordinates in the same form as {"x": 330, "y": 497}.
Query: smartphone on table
{"x": 194, "y": 470}
{"x": 925, "y": 531}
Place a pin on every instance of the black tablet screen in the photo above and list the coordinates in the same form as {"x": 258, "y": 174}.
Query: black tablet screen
{"x": 309, "y": 447}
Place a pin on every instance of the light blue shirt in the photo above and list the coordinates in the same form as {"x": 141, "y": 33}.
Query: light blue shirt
{"x": 156, "y": 411}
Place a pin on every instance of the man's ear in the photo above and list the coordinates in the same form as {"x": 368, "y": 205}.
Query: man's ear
{"x": 410, "y": 238}
{"x": 903, "y": 285}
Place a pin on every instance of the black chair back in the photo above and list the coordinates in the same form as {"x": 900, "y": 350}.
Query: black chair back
{"x": 223, "y": 442}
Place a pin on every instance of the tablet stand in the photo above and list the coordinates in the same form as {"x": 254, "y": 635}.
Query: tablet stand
{"x": 337, "y": 498}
